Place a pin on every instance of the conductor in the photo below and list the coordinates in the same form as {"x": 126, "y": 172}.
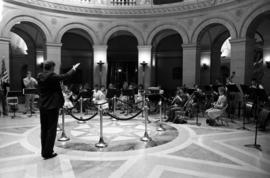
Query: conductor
{"x": 50, "y": 101}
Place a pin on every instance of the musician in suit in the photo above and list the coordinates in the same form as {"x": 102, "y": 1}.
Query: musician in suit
{"x": 29, "y": 83}
{"x": 50, "y": 101}
{"x": 110, "y": 95}
{"x": 4, "y": 85}
{"x": 218, "y": 107}
{"x": 192, "y": 105}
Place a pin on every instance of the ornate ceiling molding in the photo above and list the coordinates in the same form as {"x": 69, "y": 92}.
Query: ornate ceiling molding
{"x": 109, "y": 11}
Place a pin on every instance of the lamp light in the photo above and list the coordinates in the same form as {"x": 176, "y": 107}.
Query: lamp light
{"x": 144, "y": 64}
{"x": 204, "y": 66}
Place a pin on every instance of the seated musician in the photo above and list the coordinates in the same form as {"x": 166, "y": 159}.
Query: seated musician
{"x": 100, "y": 97}
{"x": 191, "y": 105}
{"x": 139, "y": 95}
{"x": 95, "y": 91}
{"x": 110, "y": 95}
{"x": 252, "y": 97}
{"x": 218, "y": 107}
{"x": 177, "y": 104}
{"x": 67, "y": 97}
{"x": 124, "y": 97}
{"x": 264, "y": 115}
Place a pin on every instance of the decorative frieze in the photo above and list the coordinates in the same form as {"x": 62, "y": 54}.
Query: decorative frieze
{"x": 122, "y": 7}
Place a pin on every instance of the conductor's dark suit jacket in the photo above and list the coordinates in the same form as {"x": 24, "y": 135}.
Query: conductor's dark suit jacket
{"x": 50, "y": 92}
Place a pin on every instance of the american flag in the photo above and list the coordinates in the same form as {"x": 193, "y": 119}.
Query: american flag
{"x": 4, "y": 73}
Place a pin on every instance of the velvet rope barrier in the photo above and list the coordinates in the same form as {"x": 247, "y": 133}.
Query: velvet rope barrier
{"x": 124, "y": 119}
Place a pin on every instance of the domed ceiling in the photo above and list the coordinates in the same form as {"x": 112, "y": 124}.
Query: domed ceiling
{"x": 123, "y": 8}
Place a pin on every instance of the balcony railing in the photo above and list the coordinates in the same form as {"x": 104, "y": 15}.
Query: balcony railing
{"x": 109, "y": 3}
{"x": 123, "y": 2}
{"x": 113, "y": 3}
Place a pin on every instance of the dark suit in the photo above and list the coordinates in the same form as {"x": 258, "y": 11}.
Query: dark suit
{"x": 3, "y": 94}
{"x": 50, "y": 101}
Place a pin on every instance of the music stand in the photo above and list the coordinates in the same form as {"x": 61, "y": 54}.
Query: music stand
{"x": 12, "y": 100}
{"x": 231, "y": 88}
{"x": 260, "y": 95}
{"x": 154, "y": 97}
{"x": 112, "y": 92}
{"x": 207, "y": 89}
{"x": 30, "y": 91}
{"x": 86, "y": 94}
{"x": 190, "y": 91}
{"x": 128, "y": 92}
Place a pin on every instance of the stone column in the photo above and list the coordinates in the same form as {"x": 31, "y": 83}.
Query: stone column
{"x": 191, "y": 64}
{"x": 144, "y": 57}
{"x": 242, "y": 54}
{"x": 215, "y": 65}
{"x": 100, "y": 65}
{"x": 266, "y": 57}
{"x": 53, "y": 52}
{"x": 4, "y": 52}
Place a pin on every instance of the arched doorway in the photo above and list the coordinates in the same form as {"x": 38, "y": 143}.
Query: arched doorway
{"x": 167, "y": 59}
{"x": 215, "y": 65}
{"x": 258, "y": 33}
{"x": 27, "y": 51}
{"x": 122, "y": 59}
{"x": 77, "y": 48}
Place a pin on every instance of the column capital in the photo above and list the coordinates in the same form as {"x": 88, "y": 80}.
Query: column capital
{"x": 145, "y": 47}
{"x": 54, "y": 44}
{"x": 241, "y": 40}
{"x": 206, "y": 51}
{"x": 4, "y": 39}
{"x": 266, "y": 48}
{"x": 190, "y": 45}
{"x": 100, "y": 47}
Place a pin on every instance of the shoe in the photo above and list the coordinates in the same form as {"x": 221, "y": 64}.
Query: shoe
{"x": 50, "y": 156}
{"x": 33, "y": 112}
{"x": 24, "y": 112}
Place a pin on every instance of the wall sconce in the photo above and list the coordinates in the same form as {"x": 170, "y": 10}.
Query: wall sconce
{"x": 100, "y": 63}
{"x": 267, "y": 64}
{"x": 204, "y": 66}
{"x": 144, "y": 64}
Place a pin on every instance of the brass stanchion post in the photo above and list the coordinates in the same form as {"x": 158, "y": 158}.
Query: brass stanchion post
{"x": 160, "y": 127}
{"x": 63, "y": 137}
{"x": 101, "y": 143}
{"x": 146, "y": 137}
{"x": 81, "y": 112}
{"x": 114, "y": 106}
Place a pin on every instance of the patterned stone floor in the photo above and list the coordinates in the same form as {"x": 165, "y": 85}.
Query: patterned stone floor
{"x": 181, "y": 151}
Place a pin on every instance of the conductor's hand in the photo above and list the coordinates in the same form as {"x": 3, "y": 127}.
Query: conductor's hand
{"x": 75, "y": 66}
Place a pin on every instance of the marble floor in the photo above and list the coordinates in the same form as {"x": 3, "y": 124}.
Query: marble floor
{"x": 185, "y": 151}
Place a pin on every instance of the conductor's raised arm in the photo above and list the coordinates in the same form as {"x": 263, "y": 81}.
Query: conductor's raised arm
{"x": 64, "y": 76}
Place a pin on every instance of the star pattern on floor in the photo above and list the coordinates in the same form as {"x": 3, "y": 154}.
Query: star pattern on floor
{"x": 196, "y": 152}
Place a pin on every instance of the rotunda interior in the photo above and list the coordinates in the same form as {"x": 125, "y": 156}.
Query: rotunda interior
{"x": 163, "y": 88}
